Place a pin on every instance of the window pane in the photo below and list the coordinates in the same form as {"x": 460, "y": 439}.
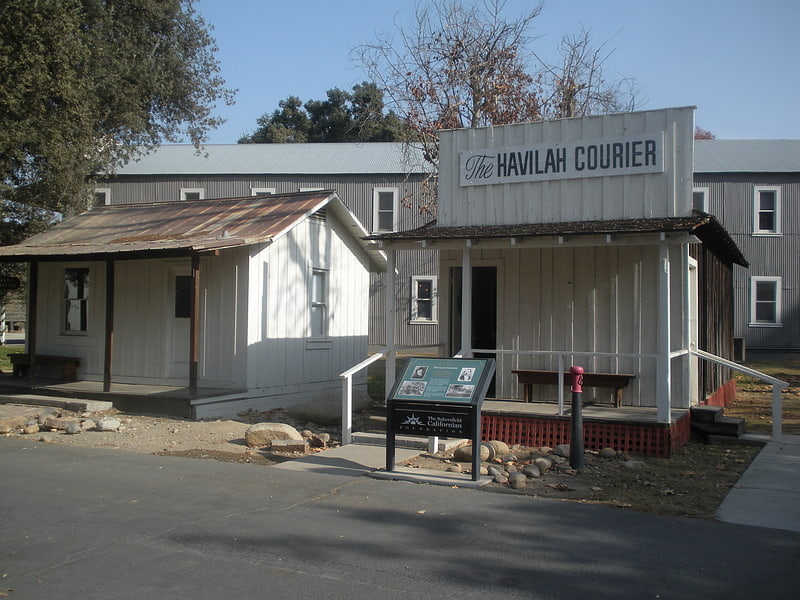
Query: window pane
{"x": 765, "y": 312}
{"x": 76, "y": 283}
{"x": 318, "y": 286}
{"x": 767, "y": 200}
{"x": 386, "y": 201}
{"x": 183, "y": 296}
{"x": 75, "y": 318}
{"x": 765, "y": 291}
{"x": 766, "y": 221}
{"x": 424, "y": 288}
{"x": 317, "y": 321}
{"x": 698, "y": 200}
{"x": 425, "y": 310}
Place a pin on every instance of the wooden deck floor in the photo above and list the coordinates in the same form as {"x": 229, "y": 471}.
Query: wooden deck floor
{"x": 601, "y": 412}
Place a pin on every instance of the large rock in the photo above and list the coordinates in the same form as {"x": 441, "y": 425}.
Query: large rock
{"x": 108, "y": 424}
{"x": 464, "y": 453}
{"x": 262, "y": 434}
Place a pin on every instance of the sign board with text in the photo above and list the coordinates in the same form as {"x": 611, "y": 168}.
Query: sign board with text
{"x": 438, "y": 397}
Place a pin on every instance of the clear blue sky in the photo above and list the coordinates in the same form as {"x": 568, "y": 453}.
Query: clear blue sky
{"x": 736, "y": 60}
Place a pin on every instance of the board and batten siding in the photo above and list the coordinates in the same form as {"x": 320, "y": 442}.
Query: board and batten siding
{"x": 357, "y": 193}
{"x": 151, "y": 345}
{"x": 731, "y": 199}
{"x": 283, "y": 357}
{"x": 658, "y": 194}
{"x": 580, "y": 299}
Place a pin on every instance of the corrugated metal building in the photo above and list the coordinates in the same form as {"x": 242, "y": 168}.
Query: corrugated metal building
{"x": 378, "y": 182}
{"x": 753, "y": 188}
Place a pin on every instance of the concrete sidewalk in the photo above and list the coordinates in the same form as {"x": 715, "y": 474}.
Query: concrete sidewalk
{"x": 768, "y": 494}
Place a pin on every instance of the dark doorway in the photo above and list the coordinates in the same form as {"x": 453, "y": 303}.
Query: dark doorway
{"x": 484, "y": 312}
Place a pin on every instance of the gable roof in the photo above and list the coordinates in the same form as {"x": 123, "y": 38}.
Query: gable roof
{"x": 747, "y": 156}
{"x": 311, "y": 159}
{"x": 164, "y": 229}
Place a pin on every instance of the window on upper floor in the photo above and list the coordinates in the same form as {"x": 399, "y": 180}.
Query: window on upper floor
{"x": 700, "y": 199}
{"x": 424, "y": 299}
{"x": 385, "y": 206}
{"x": 766, "y": 210}
{"x": 193, "y": 193}
{"x": 765, "y": 301}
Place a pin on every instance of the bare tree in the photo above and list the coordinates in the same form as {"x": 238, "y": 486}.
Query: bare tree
{"x": 460, "y": 65}
{"x": 579, "y": 85}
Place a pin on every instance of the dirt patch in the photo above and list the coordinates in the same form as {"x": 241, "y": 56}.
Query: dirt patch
{"x": 692, "y": 483}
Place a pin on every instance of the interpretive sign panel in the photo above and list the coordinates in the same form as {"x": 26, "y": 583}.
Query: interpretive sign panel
{"x": 442, "y": 380}
{"x": 438, "y": 397}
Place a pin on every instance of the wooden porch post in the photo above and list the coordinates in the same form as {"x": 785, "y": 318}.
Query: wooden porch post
{"x": 194, "y": 332}
{"x": 30, "y": 334}
{"x": 664, "y": 368}
{"x": 109, "y": 349}
{"x": 466, "y": 302}
{"x": 391, "y": 309}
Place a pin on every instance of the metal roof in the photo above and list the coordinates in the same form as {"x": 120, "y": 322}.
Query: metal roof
{"x": 747, "y": 156}
{"x": 181, "y": 228}
{"x": 311, "y": 159}
{"x": 704, "y": 226}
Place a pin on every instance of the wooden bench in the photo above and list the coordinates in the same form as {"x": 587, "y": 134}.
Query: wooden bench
{"x": 69, "y": 365}
{"x": 615, "y": 381}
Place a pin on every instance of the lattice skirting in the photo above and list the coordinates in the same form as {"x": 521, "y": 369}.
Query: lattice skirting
{"x": 650, "y": 439}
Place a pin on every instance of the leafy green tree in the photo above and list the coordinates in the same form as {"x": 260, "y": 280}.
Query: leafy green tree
{"x": 84, "y": 86}
{"x": 341, "y": 117}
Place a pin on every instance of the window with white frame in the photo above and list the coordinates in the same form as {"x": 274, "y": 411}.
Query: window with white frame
{"x": 700, "y": 199}
{"x": 765, "y": 302}
{"x": 766, "y": 210}
{"x": 102, "y": 196}
{"x": 193, "y": 193}
{"x": 76, "y": 300}
{"x": 255, "y": 191}
{"x": 319, "y": 303}
{"x": 424, "y": 299}
{"x": 385, "y": 205}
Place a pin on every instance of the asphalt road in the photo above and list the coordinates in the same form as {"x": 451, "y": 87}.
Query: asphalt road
{"x": 80, "y": 523}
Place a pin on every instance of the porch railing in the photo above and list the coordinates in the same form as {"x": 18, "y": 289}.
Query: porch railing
{"x": 777, "y": 386}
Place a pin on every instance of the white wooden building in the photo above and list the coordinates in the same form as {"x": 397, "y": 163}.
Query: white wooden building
{"x": 574, "y": 242}
{"x": 254, "y": 302}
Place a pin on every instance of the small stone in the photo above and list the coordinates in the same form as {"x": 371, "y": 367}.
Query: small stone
{"x": 518, "y": 481}
{"x": 484, "y": 471}
{"x": 5, "y": 429}
{"x": 88, "y": 425}
{"x": 500, "y": 479}
{"x": 295, "y": 446}
{"x": 496, "y": 471}
{"x": 510, "y": 458}
{"x": 73, "y": 429}
{"x": 500, "y": 448}
{"x": 454, "y": 468}
{"x": 306, "y": 433}
{"x": 562, "y": 450}
{"x": 532, "y": 471}
{"x": 319, "y": 440}
{"x": 632, "y": 464}
{"x": 30, "y": 429}
{"x": 607, "y": 453}
{"x": 543, "y": 464}
{"x": 58, "y": 423}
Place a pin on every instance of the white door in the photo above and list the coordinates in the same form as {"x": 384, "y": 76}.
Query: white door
{"x": 179, "y": 290}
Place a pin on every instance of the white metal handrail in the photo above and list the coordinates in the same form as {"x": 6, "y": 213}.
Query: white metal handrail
{"x": 347, "y": 393}
{"x": 777, "y": 386}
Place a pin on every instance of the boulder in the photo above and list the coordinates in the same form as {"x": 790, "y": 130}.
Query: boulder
{"x": 532, "y": 471}
{"x": 464, "y": 453}
{"x": 607, "y": 453}
{"x": 500, "y": 448}
{"x": 108, "y": 424}
{"x": 263, "y": 434}
{"x": 73, "y": 428}
{"x": 58, "y": 422}
{"x": 562, "y": 450}
{"x": 518, "y": 480}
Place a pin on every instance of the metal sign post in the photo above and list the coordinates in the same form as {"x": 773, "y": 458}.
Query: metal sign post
{"x": 439, "y": 397}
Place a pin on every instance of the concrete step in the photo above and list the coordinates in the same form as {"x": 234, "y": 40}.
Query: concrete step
{"x": 73, "y": 404}
{"x": 402, "y": 441}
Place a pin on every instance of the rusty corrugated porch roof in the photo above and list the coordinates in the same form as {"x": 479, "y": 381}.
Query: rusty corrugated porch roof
{"x": 704, "y": 226}
{"x": 163, "y": 229}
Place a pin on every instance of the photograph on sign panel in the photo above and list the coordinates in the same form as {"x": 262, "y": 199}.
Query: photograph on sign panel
{"x": 458, "y": 390}
{"x": 412, "y": 388}
{"x": 467, "y": 373}
{"x": 419, "y": 372}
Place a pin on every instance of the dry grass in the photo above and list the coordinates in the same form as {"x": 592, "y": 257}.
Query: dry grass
{"x": 754, "y": 397}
